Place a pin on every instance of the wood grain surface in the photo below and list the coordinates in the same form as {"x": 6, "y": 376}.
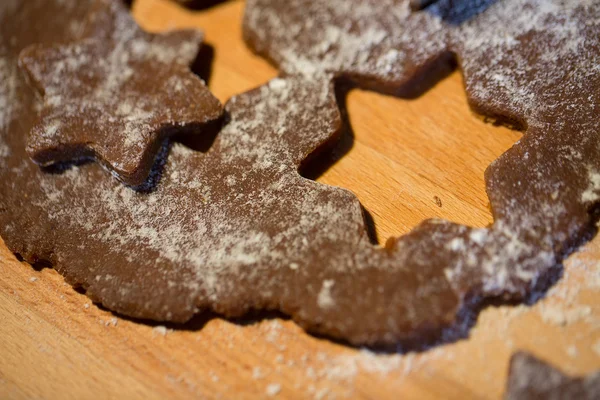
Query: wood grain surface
{"x": 406, "y": 160}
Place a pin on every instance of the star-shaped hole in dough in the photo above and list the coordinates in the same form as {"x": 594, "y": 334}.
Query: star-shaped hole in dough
{"x": 117, "y": 95}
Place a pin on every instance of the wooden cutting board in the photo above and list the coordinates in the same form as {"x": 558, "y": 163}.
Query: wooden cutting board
{"x": 406, "y": 160}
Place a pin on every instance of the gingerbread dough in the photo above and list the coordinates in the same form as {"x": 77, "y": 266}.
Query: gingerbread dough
{"x": 529, "y": 63}
{"x": 116, "y": 95}
{"x": 531, "y": 379}
{"x": 237, "y": 228}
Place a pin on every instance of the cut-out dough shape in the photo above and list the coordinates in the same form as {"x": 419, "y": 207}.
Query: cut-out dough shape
{"x": 531, "y": 379}
{"x": 237, "y": 228}
{"x": 116, "y": 95}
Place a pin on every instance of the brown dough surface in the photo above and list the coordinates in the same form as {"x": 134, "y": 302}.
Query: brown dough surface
{"x": 532, "y": 63}
{"x": 117, "y": 94}
{"x": 532, "y": 379}
{"x": 238, "y": 228}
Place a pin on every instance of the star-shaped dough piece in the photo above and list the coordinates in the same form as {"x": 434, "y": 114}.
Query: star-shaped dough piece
{"x": 116, "y": 95}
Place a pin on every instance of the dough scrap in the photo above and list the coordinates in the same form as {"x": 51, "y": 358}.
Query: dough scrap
{"x": 531, "y": 378}
{"x": 529, "y": 63}
{"x": 237, "y": 228}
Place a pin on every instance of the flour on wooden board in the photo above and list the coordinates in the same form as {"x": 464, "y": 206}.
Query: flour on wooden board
{"x": 562, "y": 299}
